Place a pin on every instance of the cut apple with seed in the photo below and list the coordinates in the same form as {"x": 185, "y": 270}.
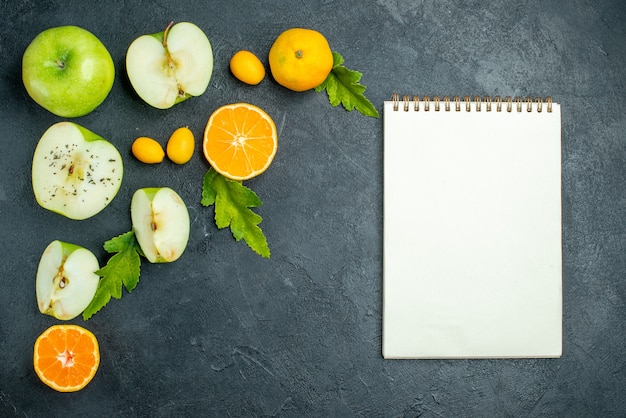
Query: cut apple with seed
{"x": 75, "y": 172}
{"x": 161, "y": 223}
{"x": 170, "y": 66}
{"x": 66, "y": 280}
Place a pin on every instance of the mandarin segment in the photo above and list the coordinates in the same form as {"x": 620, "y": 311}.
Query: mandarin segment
{"x": 240, "y": 141}
{"x": 66, "y": 357}
{"x": 72, "y": 337}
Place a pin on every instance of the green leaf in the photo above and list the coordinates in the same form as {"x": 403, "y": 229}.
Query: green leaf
{"x": 122, "y": 269}
{"x": 232, "y": 202}
{"x": 120, "y": 243}
{"x": 342, "y": 86}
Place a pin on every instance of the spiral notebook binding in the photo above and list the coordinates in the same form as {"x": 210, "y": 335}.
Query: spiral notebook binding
{"x": 508, "y": 104}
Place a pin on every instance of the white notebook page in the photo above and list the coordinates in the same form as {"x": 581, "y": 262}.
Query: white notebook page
{"x": 472, "y": 233}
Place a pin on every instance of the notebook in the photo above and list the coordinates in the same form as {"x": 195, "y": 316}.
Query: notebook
{"x": 472, "y": 261}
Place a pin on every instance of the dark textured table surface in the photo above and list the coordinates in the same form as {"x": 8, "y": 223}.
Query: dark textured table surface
{"x": 223, "y": 332}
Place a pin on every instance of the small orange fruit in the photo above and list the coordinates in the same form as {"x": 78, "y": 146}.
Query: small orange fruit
{"x": 300, "y": 59}
{"x": 181, "y": 145}
{"x": 240, "y": 141}
{"x": 147, "y": 150}
{"x": 246, "y": 67}
{"x": 66, "y": 357}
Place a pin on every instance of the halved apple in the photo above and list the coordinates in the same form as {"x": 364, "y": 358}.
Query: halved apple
{"x": 161, "y": 223}
{"x": 66, "y": 280}
{"x": 168, "y": 67}
{"x": 75, "y": 172}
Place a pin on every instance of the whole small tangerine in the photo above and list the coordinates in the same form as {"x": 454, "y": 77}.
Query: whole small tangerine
{"x": 300, "y": 59}
{"x": 180, "y": 146}
{"x": 247, "y": 67}
{"x": 147, "y": 150}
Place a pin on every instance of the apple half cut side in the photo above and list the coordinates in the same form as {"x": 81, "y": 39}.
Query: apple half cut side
{"x": 169, "y": 67}
{"x": 161, "y": 223}
{"x": 75, "y": 172}
{"x": 66, "y": 280}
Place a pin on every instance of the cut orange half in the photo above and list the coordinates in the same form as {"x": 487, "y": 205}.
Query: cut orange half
{"x": 66, "y": 357}
{"x": 240, "y": 141}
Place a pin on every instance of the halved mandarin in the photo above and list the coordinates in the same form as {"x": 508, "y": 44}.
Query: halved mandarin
{"x": 240, "y": 141}
{"x": 66, "y": 357}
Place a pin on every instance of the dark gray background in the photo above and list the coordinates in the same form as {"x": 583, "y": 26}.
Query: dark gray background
{"x": 223, "y": 332}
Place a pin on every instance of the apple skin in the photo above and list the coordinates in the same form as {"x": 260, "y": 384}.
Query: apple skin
{"x": 169, "y": 67}
{"x": 66, "y": 280}
{"x": 75, "y": 172}
{"x": 161, "y": 223}
{"x": 68, "y": 71}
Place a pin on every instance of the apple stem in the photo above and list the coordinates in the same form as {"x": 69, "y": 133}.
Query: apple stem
{"x": 167, "y": 29}
{"x": 60, "y": 64}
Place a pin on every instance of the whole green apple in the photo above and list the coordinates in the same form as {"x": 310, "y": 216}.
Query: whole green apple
{"x": 68, "y": 71}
